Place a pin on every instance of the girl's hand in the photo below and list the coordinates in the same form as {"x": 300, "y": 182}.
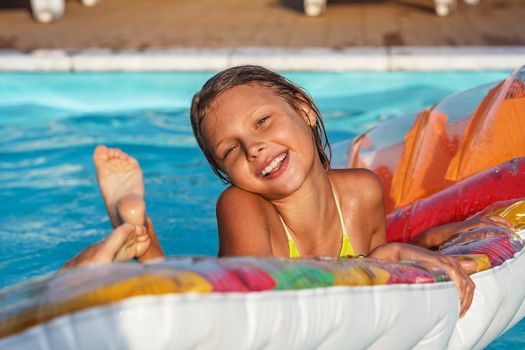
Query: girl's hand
{"x": 126, "y": 242}
{"x": 455, "y": 270}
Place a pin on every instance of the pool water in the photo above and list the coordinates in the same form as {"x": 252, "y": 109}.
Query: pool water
{"x": 50, "y": 207}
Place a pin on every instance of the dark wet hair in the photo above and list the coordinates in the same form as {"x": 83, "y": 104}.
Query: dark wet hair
{"x": 256, "y": 75}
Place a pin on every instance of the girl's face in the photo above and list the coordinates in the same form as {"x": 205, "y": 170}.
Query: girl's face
{"x": 262, "y": 143}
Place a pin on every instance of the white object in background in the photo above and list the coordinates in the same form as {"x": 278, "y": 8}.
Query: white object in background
{"x": 313, "y": 8}
{"x": 90, "y": 3}
{"x": 444, "y": 7}
{"x": 47, "y": 11}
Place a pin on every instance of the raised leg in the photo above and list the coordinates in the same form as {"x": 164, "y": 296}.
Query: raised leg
{"x": 122, "y": 187}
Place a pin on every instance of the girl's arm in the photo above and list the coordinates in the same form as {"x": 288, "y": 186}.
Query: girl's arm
{"x": 241, "y": 222}
{"x": 365, "y": 204}
{"x": 377, "y": 212}
{"x": 373, "y": 201}
{"x": 436, "y": 236}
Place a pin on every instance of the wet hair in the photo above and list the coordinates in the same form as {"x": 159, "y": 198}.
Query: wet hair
{"x": 254, "y": 75}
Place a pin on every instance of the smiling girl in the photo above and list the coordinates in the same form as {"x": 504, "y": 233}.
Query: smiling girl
{"x": 265, "y": 137}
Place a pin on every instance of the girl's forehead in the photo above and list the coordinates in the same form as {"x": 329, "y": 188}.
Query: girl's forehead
{"x": 249, "y": 93}
{"x": 242, "y": 100}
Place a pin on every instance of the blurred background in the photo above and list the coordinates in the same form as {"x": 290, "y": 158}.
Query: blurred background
{"x": 142, "y": 24}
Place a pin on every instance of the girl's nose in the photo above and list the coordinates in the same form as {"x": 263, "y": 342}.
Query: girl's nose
{"x": 254, "y": 150}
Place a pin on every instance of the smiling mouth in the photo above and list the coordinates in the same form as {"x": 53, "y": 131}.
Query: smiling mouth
{"x": 274, "y": 165}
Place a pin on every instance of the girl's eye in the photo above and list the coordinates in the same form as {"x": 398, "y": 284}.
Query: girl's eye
{"x": 228, "y": 151}
{"x": 261, "y": 121}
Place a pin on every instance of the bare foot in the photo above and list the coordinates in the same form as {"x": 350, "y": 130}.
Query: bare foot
{"x": 120, "y": 180}
{"x": 126, "y": 242}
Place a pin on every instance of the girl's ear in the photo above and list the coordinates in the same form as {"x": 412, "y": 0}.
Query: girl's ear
{"x": 310, "y": 117}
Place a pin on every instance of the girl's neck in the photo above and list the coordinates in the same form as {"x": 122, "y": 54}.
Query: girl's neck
{"x": 310, "y": 210}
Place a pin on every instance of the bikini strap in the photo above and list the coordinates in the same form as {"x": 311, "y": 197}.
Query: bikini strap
{"x": 292, "y": 247}
{"x": 346, "y": 245}
{"x": 288, "y": 234}
{"x": 341, "y": 222}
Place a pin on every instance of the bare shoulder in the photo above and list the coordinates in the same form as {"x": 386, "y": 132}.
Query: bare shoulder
{"x": 359, "y": 184}
{"x": 242, "y": 223}
{"x": 233, "y": 201}
{"x": 361, "y": 194}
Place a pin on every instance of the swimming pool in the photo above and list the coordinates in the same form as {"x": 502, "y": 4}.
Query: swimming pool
{"x": 49, "y": 124}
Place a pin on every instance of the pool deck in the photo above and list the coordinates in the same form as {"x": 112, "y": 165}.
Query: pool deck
{"x": 211, "y": 34}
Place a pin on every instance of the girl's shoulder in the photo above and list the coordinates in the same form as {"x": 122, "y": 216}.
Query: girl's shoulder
{"x": 243, "y": 225}
{"x": 234, "y": 197}
{"x": 361, "y": 195}
{"x": 357, "y": 185}
{"x": 234, "y": 200}
{"x": 356, "y": 178}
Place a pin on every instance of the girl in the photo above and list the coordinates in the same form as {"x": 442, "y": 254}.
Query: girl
{"x": 265, "y": 137}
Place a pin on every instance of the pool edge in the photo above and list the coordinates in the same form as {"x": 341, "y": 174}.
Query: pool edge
{"x": 302, "y": 59}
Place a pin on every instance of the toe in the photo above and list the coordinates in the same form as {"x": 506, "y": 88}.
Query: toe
{"x": 100, "y": 153}
{"x": 119, "y": 153}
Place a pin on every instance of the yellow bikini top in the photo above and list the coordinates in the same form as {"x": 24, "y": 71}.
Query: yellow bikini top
{"x": 346, "y": 246}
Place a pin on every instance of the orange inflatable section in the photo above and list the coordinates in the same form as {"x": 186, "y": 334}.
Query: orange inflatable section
{"x": 495, "y": 133}
{"x": 458, "y": 137}
{"x": 426, "y": 146}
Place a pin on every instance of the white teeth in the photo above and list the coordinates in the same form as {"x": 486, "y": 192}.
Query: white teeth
{"x": 275, "y": 164}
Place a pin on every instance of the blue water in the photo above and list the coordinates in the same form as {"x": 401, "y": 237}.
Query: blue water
{"x": 50, "y": 207}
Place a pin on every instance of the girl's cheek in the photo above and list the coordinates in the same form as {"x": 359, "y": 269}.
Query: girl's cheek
{"x": 227, "y": 170}
{"x": 230, "y": 168}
